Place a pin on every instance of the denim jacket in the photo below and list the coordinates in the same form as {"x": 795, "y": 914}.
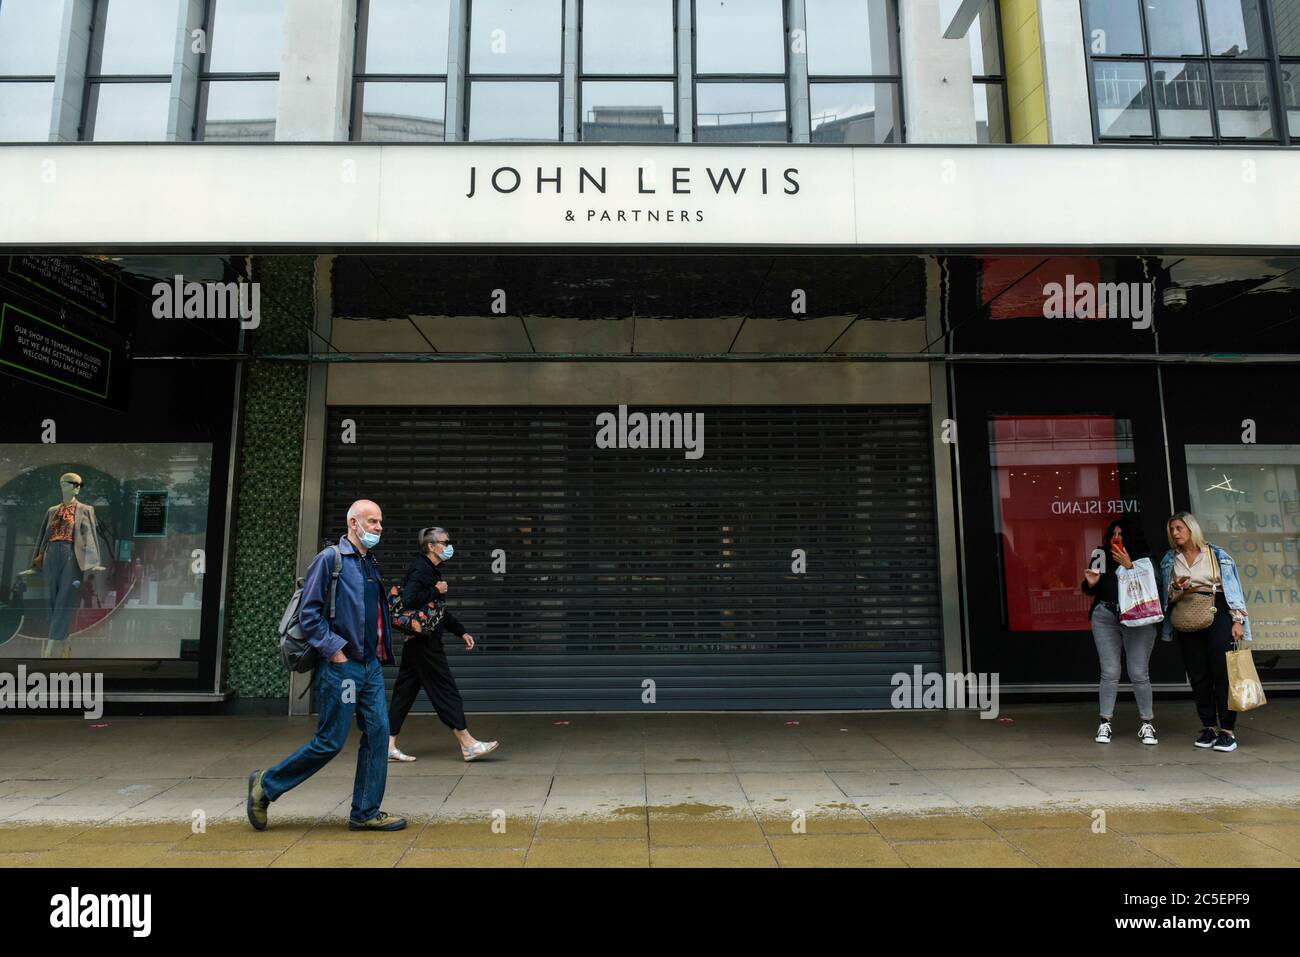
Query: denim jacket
{"x": 347, "y": 632}
{"x": 1232, "y": 590}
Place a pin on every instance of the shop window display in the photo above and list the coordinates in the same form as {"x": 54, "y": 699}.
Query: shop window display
{"x": 102, "y": 549}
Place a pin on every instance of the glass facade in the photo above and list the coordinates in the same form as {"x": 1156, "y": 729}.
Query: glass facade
{"x": 400, "y": 73}
{"x": 989, "y": 74}
{"x": 740, "y": 72}
{"x": 29, "y": 53}
{"x": 241, "y": 71}
{"x": 628, "y": 89}
{"x": 1190, "y": 70}
{"x": 515, "y": 68}
{"x": 129, "y": 80}
{"x": 854, "y": 78}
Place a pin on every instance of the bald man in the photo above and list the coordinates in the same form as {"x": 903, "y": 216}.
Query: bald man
{"x": 352, "y": 648}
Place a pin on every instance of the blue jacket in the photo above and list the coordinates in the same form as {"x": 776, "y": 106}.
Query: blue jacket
{"x": 1232, "y": 590}
{"x": 347, "y": 630}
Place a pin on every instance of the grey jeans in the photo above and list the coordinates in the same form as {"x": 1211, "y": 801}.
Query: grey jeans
{"x": 1136, "y": 643}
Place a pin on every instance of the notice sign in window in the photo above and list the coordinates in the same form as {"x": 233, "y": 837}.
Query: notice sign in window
{"x": 1247, "y": 499}
{"x": 151, "y": 514}
{"x": 1057, "y": 483}
{"x": 47, "y": 352}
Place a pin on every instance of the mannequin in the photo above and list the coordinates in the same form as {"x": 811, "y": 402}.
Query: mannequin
{"x": 66, "y": 549}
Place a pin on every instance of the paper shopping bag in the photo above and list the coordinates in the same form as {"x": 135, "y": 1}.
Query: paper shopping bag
{"x": 1245, "y": 692}
{"x": 1139, "y": 599}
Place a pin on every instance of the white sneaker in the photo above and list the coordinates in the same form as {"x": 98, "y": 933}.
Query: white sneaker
{"x": 1103, "y": 733}
{"x": 1147, "y": 733}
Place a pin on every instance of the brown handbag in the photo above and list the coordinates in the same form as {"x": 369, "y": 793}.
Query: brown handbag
{"x": 1194, "y": 611}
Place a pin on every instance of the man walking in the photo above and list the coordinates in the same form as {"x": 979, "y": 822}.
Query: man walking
{"x": 353, "y": 649}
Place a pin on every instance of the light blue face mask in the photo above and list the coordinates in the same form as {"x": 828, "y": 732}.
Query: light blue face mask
{"x": 447, "y": 551}
{"x": 370, "y": 539}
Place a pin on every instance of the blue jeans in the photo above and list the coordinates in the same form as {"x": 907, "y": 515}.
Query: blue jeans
{"x": 343, "y": 690}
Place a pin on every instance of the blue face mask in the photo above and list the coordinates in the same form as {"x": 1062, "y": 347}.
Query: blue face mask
{"x": 370, "y": 539}
{"x": 447, "y": 551}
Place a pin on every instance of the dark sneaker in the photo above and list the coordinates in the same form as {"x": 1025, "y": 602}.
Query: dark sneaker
{"x": 257, "y": 801}
{"x": 1147, "y": 733}
{"x": 1103, "y": 733}
{"x": 1207, "y": 738}
{"x": 380, "y": 822}
{"x": 1225, "y": 742}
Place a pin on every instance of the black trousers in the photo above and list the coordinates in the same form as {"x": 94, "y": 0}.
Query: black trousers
{"x": 1205, "y": 658}
{"x": 424, "y": 665}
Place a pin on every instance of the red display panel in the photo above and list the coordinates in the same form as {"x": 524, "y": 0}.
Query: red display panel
{"x": 1056, "y": 486}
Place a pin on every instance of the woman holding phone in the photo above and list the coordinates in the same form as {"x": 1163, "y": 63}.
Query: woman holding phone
{"x": 1121, "y": 545}
{"x": 1206, "y": 608}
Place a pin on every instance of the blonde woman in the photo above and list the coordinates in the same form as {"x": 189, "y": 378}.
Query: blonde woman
{"x": 1191, "y": 567}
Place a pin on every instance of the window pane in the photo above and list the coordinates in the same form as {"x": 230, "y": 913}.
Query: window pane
{"x": 1234, "y": 28}
{"x": 25, "y": 111}
{"x": 985, "y": 58}
{"x": 139, "y": 37}
{"x": 29, "y": 38}
{"x": 240, "y": 111}
{"x": 854, "y": 112}
{"x": 628, "y": 112}
{"x": 1291, "y": 96}
{"x": 739, "y": 37}
{"x": 627, "y": 36}
{"x": 514, "y": 111}
{"x": 1123, "y": 104}
{"x": 1241, "y": 95}
{"x": 246, "y": 36}
{"x": 1286, "y": 14}
{"x": 1114, "y": 27}
{"x": 511, "y": 37}
{"x": 740, "y": 112}
{"x": 1244, "y": 498}
{"x": 1182, "y": 95}
{"x": 990, "y": 114}
{"x": 403, "y": 112}
{"x": 130, "y": 111}
{"x": 851, "y": 37}
{"x": 407, "y": 36}
{"x": 1057, "y": 484}
{"x": 1174, "y": 28}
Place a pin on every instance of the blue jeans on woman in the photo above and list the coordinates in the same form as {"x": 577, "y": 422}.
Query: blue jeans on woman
{"x": 1111, "y": 639}
{"x": 343, "y": 690}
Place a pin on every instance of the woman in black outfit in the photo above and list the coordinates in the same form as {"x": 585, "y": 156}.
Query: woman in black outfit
{"x": 424, "y": 663}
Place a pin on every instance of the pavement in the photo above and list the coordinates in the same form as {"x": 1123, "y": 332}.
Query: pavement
{"x": 863, "y": 789}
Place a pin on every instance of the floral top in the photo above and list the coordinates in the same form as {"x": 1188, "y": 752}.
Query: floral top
{"x": 61, "y": 523}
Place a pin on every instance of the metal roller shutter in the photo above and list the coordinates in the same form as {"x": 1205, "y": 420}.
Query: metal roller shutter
{"x": 627, "y": 565}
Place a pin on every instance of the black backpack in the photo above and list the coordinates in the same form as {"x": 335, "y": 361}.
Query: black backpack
{"x": 296, "y": 652}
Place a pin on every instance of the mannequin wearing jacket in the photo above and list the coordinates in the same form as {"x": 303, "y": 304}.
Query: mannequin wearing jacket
{"x": 66, "y": 549}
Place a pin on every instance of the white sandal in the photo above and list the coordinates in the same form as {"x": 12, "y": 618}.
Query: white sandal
{"x": 478, "y": 749}
{"x": 395, "y": 754}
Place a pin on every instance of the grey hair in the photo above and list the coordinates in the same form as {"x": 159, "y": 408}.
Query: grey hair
{"x": 429, "y": 536}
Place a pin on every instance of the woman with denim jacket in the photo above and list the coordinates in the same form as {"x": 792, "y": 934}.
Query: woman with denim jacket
{"x": 1187, "y": 568}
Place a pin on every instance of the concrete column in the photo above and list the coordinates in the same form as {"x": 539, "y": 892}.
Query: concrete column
{"x": 70, "y": 71}
{"x": 938, "y": 95}
{"x": 182, "y": 111}
{"x": 685, "y": 69}
{"x": 316, "y": 70}
{"x": 457, "y": 67}
{"x": 569, "y": 85}
{"x": 1065, "y": 72}
{"x": 797, "y": 43}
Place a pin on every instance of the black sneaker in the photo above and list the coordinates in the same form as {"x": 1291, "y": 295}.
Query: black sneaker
{"x": 1103, "y": 733}
{"x": 1147, "y": 733}
{"x": 1207, "y": 738}
{"x": 1225, "y": 742}
{"x": 382, "y": 821}
{"x": 257, "y": 801}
